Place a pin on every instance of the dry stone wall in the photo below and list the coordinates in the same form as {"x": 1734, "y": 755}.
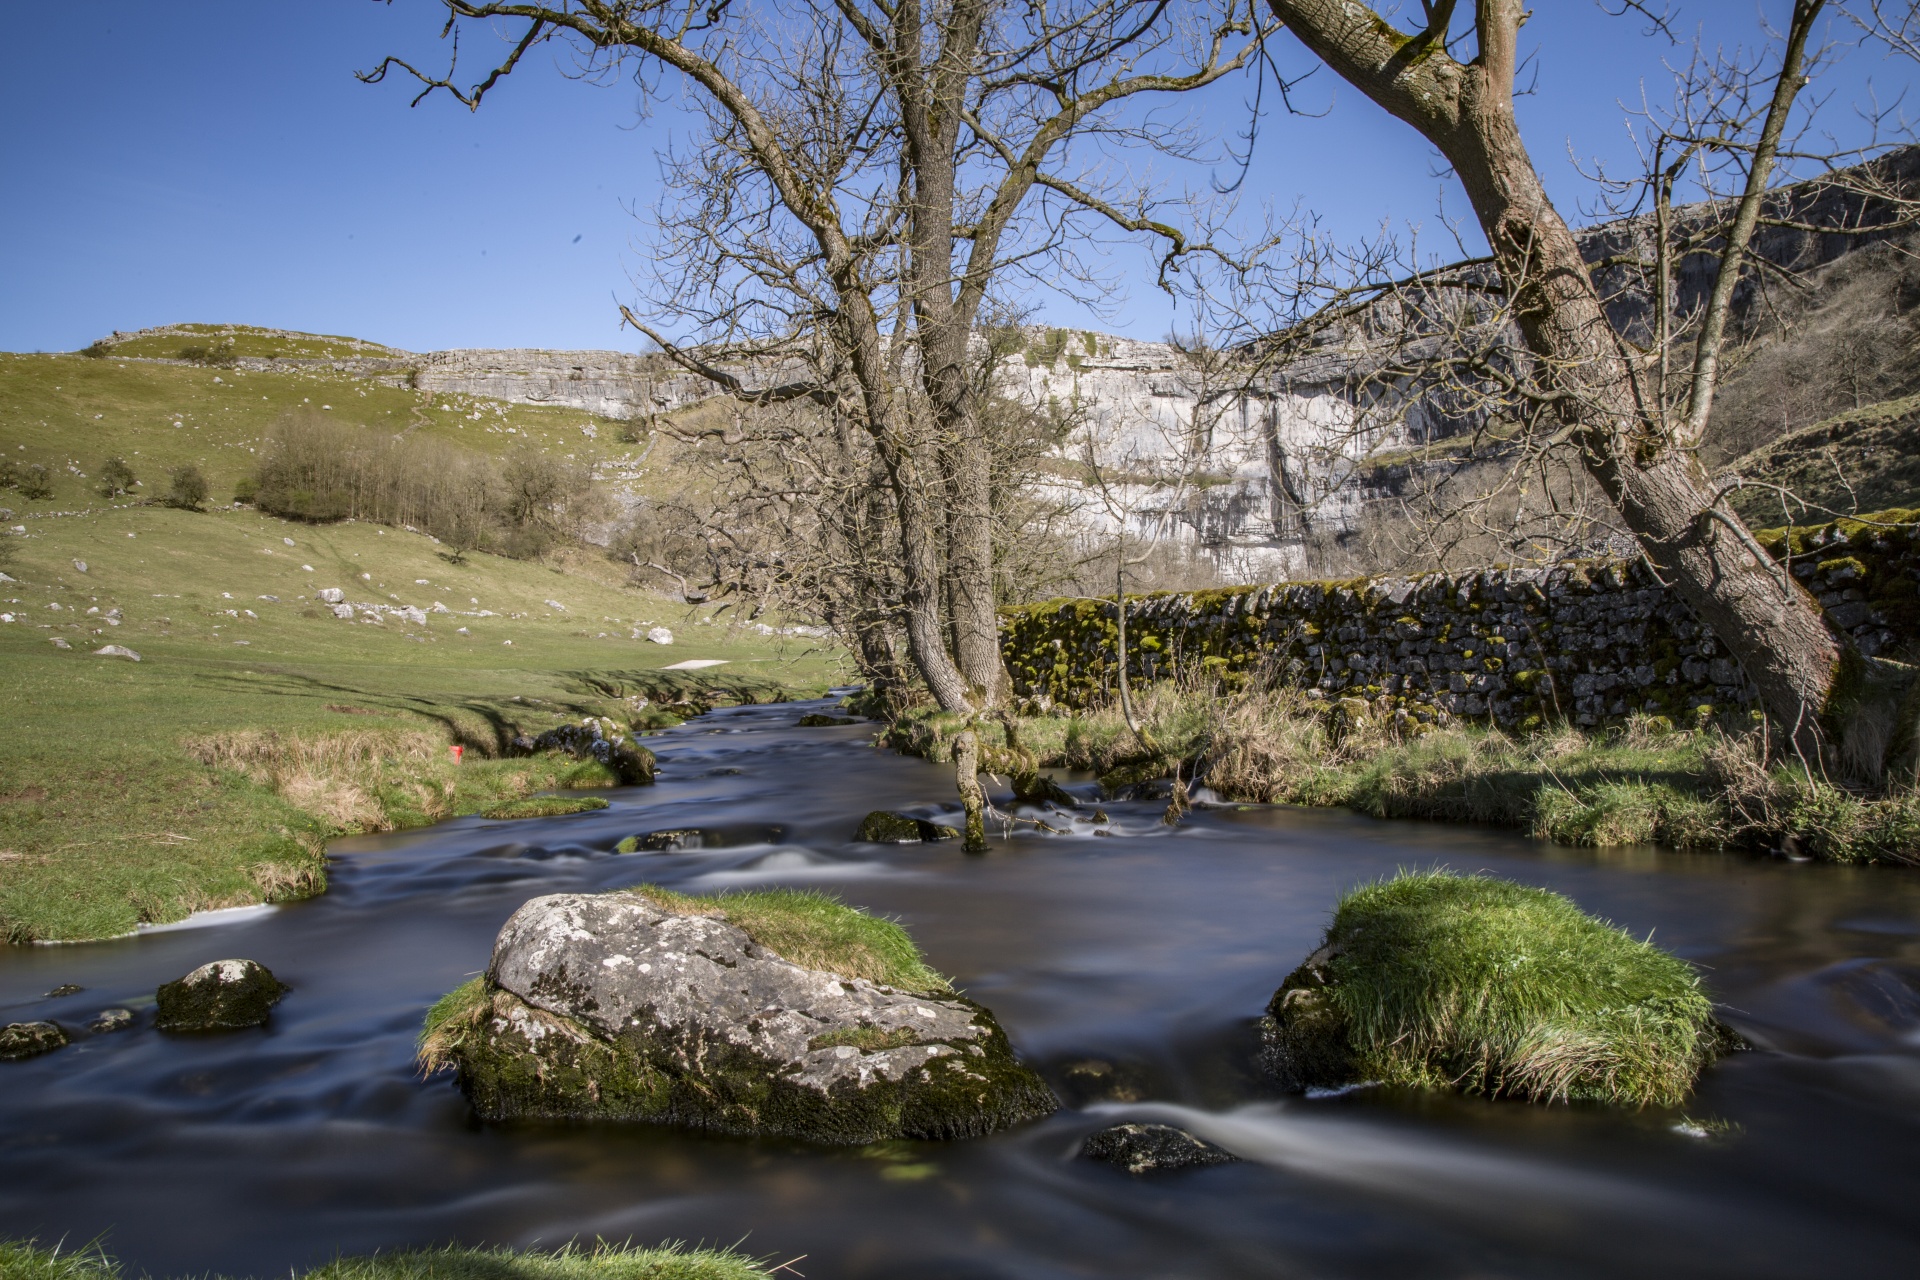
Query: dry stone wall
{"x": 1587, "y": 641}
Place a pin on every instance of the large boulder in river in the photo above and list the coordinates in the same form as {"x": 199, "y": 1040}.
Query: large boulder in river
{"x": 1437, "y": 980}
{"x": 225, "y": 995}
{"x": 776, "y": 1012}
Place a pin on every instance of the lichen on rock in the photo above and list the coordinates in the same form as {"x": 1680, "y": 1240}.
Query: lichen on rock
{"x": 225, "y": 995}
{"x": 655, "y": 1007}
{"x": 20, "y": 1040}
{"x": 1150, "y": 1148}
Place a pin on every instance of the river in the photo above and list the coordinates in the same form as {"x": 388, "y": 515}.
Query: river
{"x": 253, "y": 1152}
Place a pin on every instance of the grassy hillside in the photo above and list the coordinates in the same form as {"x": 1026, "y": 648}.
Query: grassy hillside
{"x": 221, "y": 341}
{"x": 111, "y": 815}
{"x": 1862, "y": 460}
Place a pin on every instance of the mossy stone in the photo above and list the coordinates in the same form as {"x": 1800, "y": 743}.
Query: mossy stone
{"x": 225, "y": 995}
{"x": 20, "y": 1040}
{"x": 1151, "y": 1148}
{"x": 885, "y": 827}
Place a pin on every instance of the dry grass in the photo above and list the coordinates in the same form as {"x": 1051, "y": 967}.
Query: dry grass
{"x": 385, "y": 779}
{"x": 1642, "y": 781}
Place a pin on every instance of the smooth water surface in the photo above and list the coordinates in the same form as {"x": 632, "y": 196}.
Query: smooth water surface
{"x": 253, "y": 1152}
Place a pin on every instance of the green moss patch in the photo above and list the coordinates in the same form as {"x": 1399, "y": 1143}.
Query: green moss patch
{"x": 816, "y": 932}
{"x": 1440, "y": 980}
{"x": 544, "y": 807}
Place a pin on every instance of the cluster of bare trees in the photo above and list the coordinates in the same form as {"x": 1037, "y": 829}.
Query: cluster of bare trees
{"x": 316, "y": 468}
{"x": 873, "y": 179}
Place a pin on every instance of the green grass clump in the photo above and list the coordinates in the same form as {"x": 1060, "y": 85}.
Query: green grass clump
{"x": 1504, "y": 989}
{"x": 544, "y": 807}
{"x": 816, "y": 932}
{"x": 25, "y": 1260}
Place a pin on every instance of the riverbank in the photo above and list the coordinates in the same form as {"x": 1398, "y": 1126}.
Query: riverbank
{"x": 255, "y": 724}
{"x": 1646, "y": 780}
{"x": 26, "y": 1260}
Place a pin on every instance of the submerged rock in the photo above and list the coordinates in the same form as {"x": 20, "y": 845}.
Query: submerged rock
{"x": 615, "y": 1006}
{"x": 1149, "y": 1148}
{"x": 598, "y": 738}
{"x": 885, "y": 827}
{"x": 65, "y": 989}
{"x": 225, "y": 995}
{"x": 111, "y": 1020}
{"x": 819, "y": 721}
{"x": 29, "y": 1040}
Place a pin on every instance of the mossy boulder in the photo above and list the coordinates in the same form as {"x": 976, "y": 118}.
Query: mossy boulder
{"x": 885, "y": 827}
{"x": 225, "y": 995}
{"x": 598, "y": 738}
{"x": 1439, "y": 980}
{"x": 650, "y": 1006}
{"x": 29, "y": 1040}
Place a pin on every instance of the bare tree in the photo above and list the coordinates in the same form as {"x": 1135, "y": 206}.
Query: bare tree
{"x": 1632, "y": 411}
{"x": 869, "y": 174}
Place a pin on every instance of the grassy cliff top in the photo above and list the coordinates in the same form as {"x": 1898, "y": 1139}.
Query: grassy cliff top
{"x": 1509, "y": 989}
{"x": 201, "y": 341}
{"x": 815, "y": 931}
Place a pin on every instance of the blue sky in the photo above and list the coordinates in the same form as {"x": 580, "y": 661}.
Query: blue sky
{"x": 215, "y": 160}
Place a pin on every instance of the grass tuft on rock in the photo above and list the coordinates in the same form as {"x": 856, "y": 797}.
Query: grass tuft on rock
{"x": 1505, "y": 989}
{"x": 26, "y": 1260}
{"x": 815, "y": 931}
{"x": 449, "y": 1022}
{"x": 544, "y": 807}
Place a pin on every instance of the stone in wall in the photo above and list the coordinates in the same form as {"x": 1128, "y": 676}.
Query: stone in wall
{"x": 1587, "y": 642}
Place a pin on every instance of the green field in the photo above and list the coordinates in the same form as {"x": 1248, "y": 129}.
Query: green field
{"x": 257, "y": 723}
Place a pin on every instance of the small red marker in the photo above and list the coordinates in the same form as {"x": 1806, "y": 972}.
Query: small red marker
{"x": 457, "y": 751}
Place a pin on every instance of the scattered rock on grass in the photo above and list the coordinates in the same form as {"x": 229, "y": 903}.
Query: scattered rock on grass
{"x": 544, "y": 807}
{"x": 646, "y": 1005}
{"x": 60, "y": 642}
{"x": 29, "y": 1040}
{"x": 225, "y": 995}
{"x": 116, "y": 651}
{"x": 884, "y": 827}
{"x": 1149, "y": 1148}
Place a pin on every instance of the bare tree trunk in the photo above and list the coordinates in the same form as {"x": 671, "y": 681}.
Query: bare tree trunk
{"x": 966, "y": 771}
{"x": 1770, "y": 625}
{"x": 976, "y": 621}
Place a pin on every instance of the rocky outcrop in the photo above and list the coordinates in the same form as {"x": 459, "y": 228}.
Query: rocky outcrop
{"x": 225, "y": 995}
{"x": 616, "y": 1007}
{"x": 1151, "y": 1148}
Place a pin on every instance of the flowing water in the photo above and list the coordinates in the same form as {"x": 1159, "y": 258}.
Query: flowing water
{"x": 253, "y": 1152}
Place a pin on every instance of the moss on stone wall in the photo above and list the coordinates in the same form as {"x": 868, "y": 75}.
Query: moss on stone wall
{"x": 1585, "y": 641}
